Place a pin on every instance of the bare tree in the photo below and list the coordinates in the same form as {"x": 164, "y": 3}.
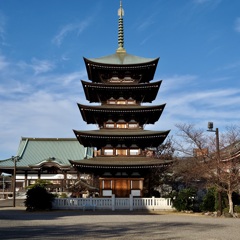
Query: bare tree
{"x": 200, "y": 159}
{"x": 165, "y": 151}
{"x": 160, "y": 178}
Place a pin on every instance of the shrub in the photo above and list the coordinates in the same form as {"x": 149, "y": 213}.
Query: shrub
{"x": 185, "y": 200}
{"x": 208, "y": 203}
{"x": 38, "y": 198}
{"x": 63, "y": 195}
{"x": 236, "y": 209}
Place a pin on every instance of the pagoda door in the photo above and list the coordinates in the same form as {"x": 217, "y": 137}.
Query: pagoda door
{"x": 121, "y": 188}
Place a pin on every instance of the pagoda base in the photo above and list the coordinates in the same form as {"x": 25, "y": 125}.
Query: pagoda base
{"x": 121, "y": 187}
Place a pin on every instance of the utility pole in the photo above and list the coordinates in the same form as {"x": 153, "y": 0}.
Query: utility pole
{"x": 210, "y": 129}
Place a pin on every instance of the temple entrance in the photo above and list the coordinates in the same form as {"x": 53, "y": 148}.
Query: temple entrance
{"x": 121, "y": 187}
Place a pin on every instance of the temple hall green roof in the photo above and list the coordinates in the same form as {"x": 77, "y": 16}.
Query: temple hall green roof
{"x": 33, "y": 151}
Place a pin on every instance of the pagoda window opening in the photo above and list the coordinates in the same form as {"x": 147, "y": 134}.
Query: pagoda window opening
{"x": 107, "y": 184}
{"x": 122, "y": 101}
{"x": 109, "y": 125}
{"x": 133, "y": 125}
{"x": 131, "y": 101}
{"x": 128, "y": 79}
{"x": 122, "y": 125}
{"x": 97, "y": 152}
{"x": 108, "y": 151}
{"x": 111, "y": 101}
{"x": 136, "y": 184}
{"x": 114, "y": 80}
{"x": 134, "y": 152}
{"x": 121, "y": 152}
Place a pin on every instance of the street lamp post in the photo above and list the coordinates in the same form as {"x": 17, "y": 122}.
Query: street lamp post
{"x": 14, "y": 159}
{"x": 210, "y": 129}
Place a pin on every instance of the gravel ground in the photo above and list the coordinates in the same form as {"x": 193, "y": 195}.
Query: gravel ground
{"x": 16, "y": 223}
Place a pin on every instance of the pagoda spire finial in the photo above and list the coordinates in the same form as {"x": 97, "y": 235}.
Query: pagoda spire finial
{"x": 120, "y": 30}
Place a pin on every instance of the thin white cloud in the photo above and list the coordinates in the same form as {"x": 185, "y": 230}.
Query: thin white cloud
{"x": 207, "y": 4}
{"x": 39, "y": 114}
{"x": 220, "y": 104}
{"x": 2, "y": 26}
{"x": 3, "y": 62}
{"x": 209, "y": 99}
{"x": 13, "y": 88}
{"x": 190, "y": 102}
{"x": 37, "y": 66}
{"x": 201, "y": 1}
{"x": 146, "y": 23}
{"x": 21, "y": 79}
{"x": 42, "y": 66}
{"x": 235, "y": 65}
{"x": 57, "y": 81}
{"x": 214, "y": 2}
{"x": 174, "y": 82}
{"x": 69, "y": 28}
{"x": 237, "y": 25}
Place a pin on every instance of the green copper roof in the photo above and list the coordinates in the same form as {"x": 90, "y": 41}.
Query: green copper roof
{"x": 122, "y": 58}
{"x": 33, "y": 151}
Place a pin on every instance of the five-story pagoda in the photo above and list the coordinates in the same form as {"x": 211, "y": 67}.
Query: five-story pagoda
{"x": 120, "y": 83}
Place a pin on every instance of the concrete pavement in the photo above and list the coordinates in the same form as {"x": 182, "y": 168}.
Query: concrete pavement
{"x": 16, "y": 223}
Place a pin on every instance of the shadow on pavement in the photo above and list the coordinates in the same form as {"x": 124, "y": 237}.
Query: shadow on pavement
{"x": 96, "y": 227}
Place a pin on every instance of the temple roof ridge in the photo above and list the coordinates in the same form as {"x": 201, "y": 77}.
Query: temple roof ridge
{"x": 122, "y": 59}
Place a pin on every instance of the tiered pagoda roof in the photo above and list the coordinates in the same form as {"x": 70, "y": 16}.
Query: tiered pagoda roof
{"x": 142, "y": 70}
{"x": 133, "y": 162}
{"x": 141, "y": 114}
{"x": 97, "y": 92}
{"x": 102, "y": 137}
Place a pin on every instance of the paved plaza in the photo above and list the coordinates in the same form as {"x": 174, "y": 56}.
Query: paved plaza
{"x": 16, "y": 223}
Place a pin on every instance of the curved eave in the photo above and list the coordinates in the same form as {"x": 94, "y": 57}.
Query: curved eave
{"x": 49, "y": 164}
{"x": 141, "y": 114}
{"x": 145, "y": 92}
{"x": 97, "y": 66}
{"x": 120, "y": 163}
{"x": 141, "y": 138}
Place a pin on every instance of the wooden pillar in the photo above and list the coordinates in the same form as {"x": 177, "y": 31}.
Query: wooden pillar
{"x": 64, "y": 181}
{"x": 100, "y": 187}
{"x": 26, "y": 179}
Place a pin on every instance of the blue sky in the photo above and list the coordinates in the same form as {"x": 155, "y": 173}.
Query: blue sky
{"x": 42, "y": 44}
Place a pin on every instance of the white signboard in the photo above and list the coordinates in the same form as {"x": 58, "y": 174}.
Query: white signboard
{"x": 107, "y": 193}
{"x": 136, "y": 193}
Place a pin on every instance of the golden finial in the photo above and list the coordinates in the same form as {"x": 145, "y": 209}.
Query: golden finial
{"x": 120, "y": 10}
